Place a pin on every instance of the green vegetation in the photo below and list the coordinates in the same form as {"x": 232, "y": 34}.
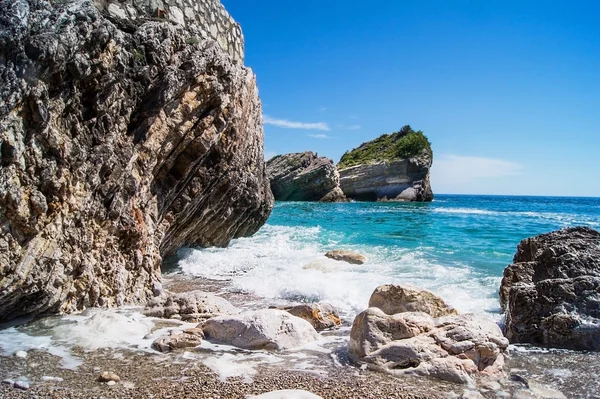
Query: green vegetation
{"x": 405, "y": 143}
{"x": 192, "y": 40}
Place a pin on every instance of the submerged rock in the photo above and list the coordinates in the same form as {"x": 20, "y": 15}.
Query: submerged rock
{"x": 321, "y": 316}
{"x": 304, "y": 177}
{"x": 347, "y": 256}
{"x": 392, "y": 167}
{"x": 271, "y": 329}
{"x": 394, "y": 299}
{"x": 454, "y": 348}
{"x": 551, "y": 291}
{"x": 124, "y": 135}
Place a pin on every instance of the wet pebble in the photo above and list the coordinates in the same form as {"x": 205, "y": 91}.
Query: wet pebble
{"x": 21, "y": 354}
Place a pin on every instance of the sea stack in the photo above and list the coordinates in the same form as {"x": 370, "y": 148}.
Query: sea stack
{"x": 127, "y": 130}
{"x": 304, "y": 176}
{"x": 391, "y": 167}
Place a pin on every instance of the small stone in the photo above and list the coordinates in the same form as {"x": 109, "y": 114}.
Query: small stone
{"x": 22, "y": 384}
{"x": 111, "y": 383}
{"x": 107, "y": 376}
{"x": 48, "y": 378}
{"x": 8, "y": 381}
{"x": 21, "y": 354}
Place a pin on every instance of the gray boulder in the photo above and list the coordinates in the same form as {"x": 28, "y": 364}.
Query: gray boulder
{"x": 304, "y": 177}
{"x": 271, "y": 329}
{"x": 191, "y": 306}
{"x": 551, "y": 291}
{"x": 127, "y": 130}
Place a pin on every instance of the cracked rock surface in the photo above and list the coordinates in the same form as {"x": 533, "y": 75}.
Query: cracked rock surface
{"x": 119, "y": 143}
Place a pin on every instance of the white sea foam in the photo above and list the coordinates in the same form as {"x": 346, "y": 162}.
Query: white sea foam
{"x": 287, "y": 263}
{"x": 465, "y": 211}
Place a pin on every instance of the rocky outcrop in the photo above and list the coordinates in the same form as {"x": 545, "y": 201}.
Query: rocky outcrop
{"x": 402, "y": 180}
{"x": 392, "y": 167}
{"x": 392, "y": 299}
{"x": 121, "y": 140}
{"x": 551, "y": 291}
{"x": 457, "y": 348}
{"x": 271, "y": 329}
{"x": 304, "y": 177}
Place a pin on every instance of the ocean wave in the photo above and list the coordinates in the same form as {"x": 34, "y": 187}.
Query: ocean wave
{"x": 466, "y": 211}
{"x": 288, "y": 263}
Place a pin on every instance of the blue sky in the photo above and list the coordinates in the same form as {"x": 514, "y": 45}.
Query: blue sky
{"x": 508, "y": 92}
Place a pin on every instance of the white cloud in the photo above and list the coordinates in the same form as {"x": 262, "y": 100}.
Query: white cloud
{"x": 471, "y": 174}
{"x": 295, "y": 125}
{"x": 319, "y": 136}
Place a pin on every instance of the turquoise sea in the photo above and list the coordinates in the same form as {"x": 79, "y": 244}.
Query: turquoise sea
{"x": 456, "y": 246}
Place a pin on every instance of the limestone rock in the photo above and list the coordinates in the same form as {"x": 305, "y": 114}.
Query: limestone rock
{"x": 391, "y": 299}
{"x": 121, "y": 140}
{"x": 401, "y": 180}
{"x": 453, "y": 348}
{"x": 192, "y": 306}
{"x": 550, "y": 292}
{"x": 271, "y": 329}
{"x": 174, "y": 340}
{"x": 321, "y": 316}
{"x": 304, "y": 177}
{"x": 347, "y": 256}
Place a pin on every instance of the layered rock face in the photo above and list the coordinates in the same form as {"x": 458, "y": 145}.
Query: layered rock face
{"x": 304, "y": 177}
{"x": 121, "y": 139}
{"x": 551, "y": 292}
{"x": 402, "y": 180}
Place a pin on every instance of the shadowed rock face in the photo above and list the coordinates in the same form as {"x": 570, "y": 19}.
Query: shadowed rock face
{"x": 304, "y": 177}
{"x": 551, "y": 292}
{"x": 121, "y": 140}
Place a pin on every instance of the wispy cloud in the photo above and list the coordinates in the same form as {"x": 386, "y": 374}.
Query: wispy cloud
{"x": 319, "y": 136}
{"x": 471, "y": 174}
{"x": 295, "y": 125}
{"x": 353, "y": 127}
{"x": 469, "y": 167}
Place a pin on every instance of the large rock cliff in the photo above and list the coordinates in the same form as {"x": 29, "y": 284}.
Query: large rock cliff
{"x": 392, "y": 167}
{"x": 551, "y": 292}
{"x": 304, "y": 176}
{"x": 127, "y": 129}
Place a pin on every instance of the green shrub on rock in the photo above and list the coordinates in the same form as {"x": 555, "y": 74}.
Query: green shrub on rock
{"x": 406, "y": 143}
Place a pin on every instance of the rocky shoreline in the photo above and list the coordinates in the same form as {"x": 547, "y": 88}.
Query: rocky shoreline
{"x": 329, "y": 373}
